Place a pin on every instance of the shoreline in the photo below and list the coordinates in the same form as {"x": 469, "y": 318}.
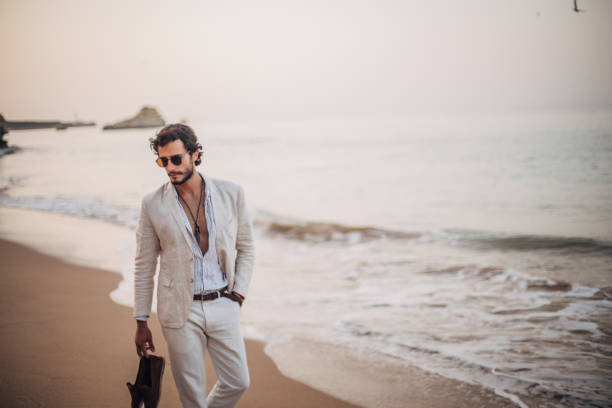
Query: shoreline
{"x": 318, "y": 366}
{"x": 59, "y": 353}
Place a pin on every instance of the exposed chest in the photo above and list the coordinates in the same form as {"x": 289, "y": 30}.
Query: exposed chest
{"x": 196, "y": 215}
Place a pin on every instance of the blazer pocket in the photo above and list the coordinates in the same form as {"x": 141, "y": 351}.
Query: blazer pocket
{"x": 166, "y": 281}
{"x": 168, "y": 308}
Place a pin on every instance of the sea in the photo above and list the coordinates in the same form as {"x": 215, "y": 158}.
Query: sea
{"x": 475, "y": 246}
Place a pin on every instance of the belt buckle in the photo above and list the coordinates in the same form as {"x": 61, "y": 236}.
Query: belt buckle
{"x": 218, "y": 294}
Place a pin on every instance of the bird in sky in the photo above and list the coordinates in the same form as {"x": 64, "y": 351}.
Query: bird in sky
{"x": 576, "y": 9}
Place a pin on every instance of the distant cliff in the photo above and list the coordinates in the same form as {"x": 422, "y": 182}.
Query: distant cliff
{"x": 6, "y": 125}
{"x": 147, "y": 117}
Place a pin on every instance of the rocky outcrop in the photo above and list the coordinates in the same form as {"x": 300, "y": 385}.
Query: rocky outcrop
{"x": 3, "y": 131}
{"x": 146, "y": 118}
{"x": 6, "y": 125}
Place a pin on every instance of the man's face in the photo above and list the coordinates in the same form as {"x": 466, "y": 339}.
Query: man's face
{"x": 178, "y": 173}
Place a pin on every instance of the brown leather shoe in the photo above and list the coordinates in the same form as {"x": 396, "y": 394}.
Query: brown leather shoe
{"x": 136, "y": 388}
{"x": 152, "y": 395}
{"x": 147, "y": 387}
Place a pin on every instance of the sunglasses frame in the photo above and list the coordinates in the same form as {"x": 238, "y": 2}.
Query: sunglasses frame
{"x": 176, "y": 159}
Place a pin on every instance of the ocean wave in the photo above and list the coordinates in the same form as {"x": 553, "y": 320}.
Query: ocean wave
{"x": 534, "y": 339}
{"x": 93, "y": 208}
{"x": 313, "y": 231}
{"x": 484, "y": 240}
{"x": 320, "y": 232}
{"x": 523, "y": 381}
{"x": 102, "y": 210}
{"x": 511, "y": 280}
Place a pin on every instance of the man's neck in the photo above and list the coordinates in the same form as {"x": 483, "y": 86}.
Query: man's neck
{"x": 192, "y": 186}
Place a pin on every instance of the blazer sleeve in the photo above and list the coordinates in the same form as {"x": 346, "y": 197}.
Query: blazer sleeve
{"x": 145, "y": 262}
{"x": 245, "y": 247}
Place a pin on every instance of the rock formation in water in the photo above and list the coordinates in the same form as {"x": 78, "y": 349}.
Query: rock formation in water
{"x": 3, "y": 131}
{"x": 6, "y": 126}
{"x": 147, "y": 117}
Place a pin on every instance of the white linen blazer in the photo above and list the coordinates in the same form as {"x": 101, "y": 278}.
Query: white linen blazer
{"x": 161, "y": 232}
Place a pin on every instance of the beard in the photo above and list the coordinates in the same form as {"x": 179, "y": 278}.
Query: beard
{"x": 184, "y": 179}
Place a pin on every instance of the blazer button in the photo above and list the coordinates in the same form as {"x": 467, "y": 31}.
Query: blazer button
{"x": 191, "y": 280}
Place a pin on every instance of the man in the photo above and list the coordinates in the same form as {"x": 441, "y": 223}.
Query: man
{"x": 201, "y": 230}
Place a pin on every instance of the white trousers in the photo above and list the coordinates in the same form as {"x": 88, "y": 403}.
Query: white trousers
{"x": 213, "y": 325}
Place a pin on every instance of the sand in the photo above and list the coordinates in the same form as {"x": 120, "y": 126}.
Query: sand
{"x": 66, "y": 344}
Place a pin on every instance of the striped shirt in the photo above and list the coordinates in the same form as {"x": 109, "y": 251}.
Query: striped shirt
{"x": 208, "y": 276}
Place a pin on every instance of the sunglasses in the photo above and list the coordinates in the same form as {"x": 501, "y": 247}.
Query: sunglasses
{"x": 177, "y": 159}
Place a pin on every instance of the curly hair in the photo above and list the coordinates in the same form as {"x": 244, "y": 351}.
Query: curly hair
{"x": 177, "y": 131}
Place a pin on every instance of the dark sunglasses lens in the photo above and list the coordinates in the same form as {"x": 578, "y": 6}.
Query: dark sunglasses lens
{"x": 176, "y": 159}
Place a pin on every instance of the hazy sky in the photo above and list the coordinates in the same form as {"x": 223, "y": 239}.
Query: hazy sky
{"x": 237, "y": 60}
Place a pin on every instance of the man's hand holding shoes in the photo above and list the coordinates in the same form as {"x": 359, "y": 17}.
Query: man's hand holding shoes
{"x": 144, "y": 339}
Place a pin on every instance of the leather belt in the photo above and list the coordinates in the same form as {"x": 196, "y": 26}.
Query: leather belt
{"x": 213, "y": 295}
{"x": 221, "y": 292}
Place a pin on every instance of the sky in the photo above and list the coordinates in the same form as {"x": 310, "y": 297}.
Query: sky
{"x": 292, "y": 60}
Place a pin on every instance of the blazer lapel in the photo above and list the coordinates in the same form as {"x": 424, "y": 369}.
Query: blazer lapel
{"x": 173, "y": 206}
{"x": 218, "y": 210}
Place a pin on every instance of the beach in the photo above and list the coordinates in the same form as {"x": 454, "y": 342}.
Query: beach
{"x": 435, "y": 263}
{"x": 429, "y": 185}
{"x": 65, "y": 343}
